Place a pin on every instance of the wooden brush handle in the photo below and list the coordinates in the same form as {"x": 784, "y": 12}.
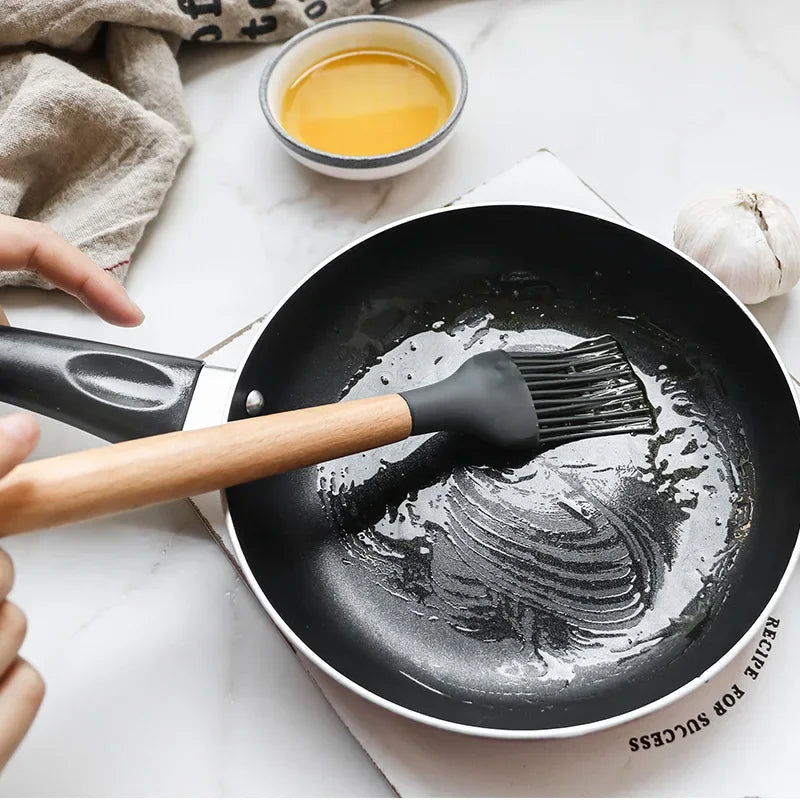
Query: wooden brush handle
{"x": 119, "y": 477}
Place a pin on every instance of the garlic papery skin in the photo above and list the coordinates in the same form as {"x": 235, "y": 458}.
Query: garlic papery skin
{"x": 749, "y": 240}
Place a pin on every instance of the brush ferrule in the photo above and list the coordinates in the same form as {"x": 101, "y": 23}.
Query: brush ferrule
{"x": 486, "y": 397}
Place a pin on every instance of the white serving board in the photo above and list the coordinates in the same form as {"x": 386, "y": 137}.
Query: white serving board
{"x": 744, "y": 749}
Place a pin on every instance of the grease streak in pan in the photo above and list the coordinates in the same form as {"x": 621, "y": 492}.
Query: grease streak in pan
{"x": 570, "y": 562}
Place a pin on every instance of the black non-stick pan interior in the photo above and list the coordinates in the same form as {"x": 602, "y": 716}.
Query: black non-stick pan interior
{"x": 502, "y": 591}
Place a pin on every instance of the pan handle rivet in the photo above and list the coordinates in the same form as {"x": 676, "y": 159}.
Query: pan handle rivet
{"x": 254, "y": 404}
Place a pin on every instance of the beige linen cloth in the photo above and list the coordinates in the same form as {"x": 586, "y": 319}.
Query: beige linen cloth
{"x": 92, "y": 121}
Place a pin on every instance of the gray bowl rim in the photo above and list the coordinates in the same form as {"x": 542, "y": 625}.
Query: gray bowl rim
{"x": 361, "y": 162}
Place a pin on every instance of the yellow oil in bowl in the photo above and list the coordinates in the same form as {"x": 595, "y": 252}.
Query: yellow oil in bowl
{"x": 366, "y": 102}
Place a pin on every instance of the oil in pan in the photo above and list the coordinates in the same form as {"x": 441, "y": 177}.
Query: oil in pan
{"x": 585, "y": 555}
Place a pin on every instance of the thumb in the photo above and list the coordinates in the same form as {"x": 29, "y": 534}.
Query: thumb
{"x": 19, "y": 434}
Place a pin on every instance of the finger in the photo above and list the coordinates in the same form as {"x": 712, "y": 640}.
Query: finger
{"x": 6, "y": 576}
{"x": 13, "y": 627}
{"x": 31, "y": 245}
{"x": 21, "y": 694}
{"x": 3, "y": 317}
{"x": 18, "y": 436}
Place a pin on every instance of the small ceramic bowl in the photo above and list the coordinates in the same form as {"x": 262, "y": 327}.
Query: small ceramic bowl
{"x": 322, "y": 41}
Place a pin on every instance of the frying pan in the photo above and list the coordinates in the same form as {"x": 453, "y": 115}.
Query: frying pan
{"x": 469, "y": 589}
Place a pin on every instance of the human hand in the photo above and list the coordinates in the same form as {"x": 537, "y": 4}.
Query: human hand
{"x": 21, "y": 686}
{"x": 31, "y": 245}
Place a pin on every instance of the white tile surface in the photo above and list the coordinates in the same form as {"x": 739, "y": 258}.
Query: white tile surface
{"x": 164, "y": 677}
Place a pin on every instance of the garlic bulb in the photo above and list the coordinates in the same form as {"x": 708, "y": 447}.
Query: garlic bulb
{"x": 749, "y": 240}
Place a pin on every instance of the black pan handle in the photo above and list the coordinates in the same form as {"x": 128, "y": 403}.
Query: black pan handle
{"x": 113, "y": 392}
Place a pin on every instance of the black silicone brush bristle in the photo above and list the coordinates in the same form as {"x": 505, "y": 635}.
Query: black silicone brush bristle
{"x": 584, "y": 391}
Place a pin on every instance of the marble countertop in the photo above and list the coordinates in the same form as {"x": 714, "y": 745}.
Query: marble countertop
{"x": 164, "y": 676}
